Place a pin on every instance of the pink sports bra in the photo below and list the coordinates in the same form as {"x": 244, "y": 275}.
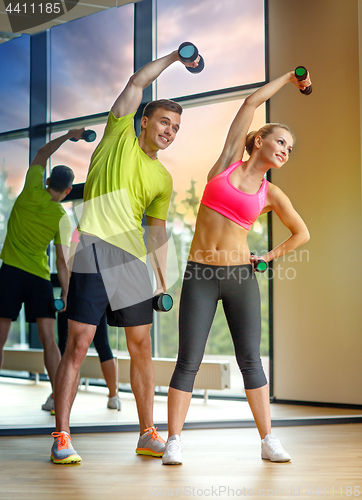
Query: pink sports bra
{"x": 225, "y": 198}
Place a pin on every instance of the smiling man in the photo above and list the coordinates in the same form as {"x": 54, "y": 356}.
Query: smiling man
{"x": 125, "y": 180}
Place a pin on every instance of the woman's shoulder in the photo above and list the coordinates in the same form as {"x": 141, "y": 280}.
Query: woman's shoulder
{"x": 276, "y": 196}
{"x": 219, "y": 169}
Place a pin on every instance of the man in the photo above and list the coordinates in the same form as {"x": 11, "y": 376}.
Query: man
{"x": 125, "y": 179}
{"x": 36, "y": 219}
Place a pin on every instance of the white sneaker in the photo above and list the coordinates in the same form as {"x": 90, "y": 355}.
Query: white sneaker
{"x": 272, "y": 450}
{"x": 173, "y": 451}
{"x": 114, "y": 403}
{"x": 49, "y": 404}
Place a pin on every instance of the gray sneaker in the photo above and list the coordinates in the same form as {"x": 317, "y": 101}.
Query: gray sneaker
{"x": 114, "y": 403}
{"x": 62, "y": 451}
{"x": 272, "y": 450}
{"x": 49, "y": 404}
{"x": 173, "y": 451}
{"x": 151, "y": 443}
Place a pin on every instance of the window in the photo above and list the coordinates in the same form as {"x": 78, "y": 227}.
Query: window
{"x": 189, "y": 159}
{"x": 14, "y": 84}
{"x": 229, "y": 36}
{"x": 76, "y": 155}
{"x": 91, "y": 61}
{"x": 14, "y": 162}
{"x": 234, "y": 57}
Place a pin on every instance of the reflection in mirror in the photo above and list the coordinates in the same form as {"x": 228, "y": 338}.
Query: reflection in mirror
{"x": 91, "y": 403}
{"x": 82, "y": 85}
{"x": 14, "y": 89}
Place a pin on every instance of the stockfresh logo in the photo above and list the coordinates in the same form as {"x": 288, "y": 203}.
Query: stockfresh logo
{"x": 28, "y": 14}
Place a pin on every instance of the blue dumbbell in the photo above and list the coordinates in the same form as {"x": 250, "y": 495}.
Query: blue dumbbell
{"x": 188, "y": 52}
{"x": 162, "y": 302}
{"x": 88, "y": 136}
{"x": 58, "y": 304}
{"x": 301, "y": 73}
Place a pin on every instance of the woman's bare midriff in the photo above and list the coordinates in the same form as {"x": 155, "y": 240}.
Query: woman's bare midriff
{"x": 218, "y": 240}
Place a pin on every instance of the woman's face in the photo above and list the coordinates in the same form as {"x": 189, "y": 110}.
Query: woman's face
{"x": 276, "y": 147}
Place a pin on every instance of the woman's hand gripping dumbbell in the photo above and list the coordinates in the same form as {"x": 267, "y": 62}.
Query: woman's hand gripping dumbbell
{"x": 302, "y": 74}
{"x": 258, "y": 264}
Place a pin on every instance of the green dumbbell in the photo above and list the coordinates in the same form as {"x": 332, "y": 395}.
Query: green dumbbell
{"x": 301, "y": 73}
{"x": 260, "y": 265}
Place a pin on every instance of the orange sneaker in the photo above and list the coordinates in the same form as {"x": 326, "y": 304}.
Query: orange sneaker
{"x": 62, "y": 451}
{"x": 151, "y": 443}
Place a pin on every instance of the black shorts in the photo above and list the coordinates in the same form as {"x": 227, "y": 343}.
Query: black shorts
{"x": 107, "y": 278}
{"x": 18, "y": 286}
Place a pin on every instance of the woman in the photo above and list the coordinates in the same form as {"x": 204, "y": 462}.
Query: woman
{"x": 220, "y": 265}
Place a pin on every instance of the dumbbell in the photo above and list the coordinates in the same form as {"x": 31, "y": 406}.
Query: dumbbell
{"x": 58, "y": 304}
{"x": 301, "y": 73}
{"x": 188, "y": 53}
{"x": 88, "y": 136}
{"x": 260, "y": 265}
{"x": 162, "y": 302}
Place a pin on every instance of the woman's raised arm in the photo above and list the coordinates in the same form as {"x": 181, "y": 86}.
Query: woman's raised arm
{"x": 235, "y": 141}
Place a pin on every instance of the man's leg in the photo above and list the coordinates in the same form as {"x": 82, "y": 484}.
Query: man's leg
{"x": 5, "y": 324}
{"x": 80, "y": 335}
{"x": 51, "y": 350}
{"x": 142, "y": 372}
{"x": 143, "y": 387}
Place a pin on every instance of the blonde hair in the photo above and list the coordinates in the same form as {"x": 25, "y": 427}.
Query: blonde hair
{"x": 263, "y": 132}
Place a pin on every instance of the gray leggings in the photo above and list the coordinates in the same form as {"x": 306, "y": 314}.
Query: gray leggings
{"x": 203, "y": 286}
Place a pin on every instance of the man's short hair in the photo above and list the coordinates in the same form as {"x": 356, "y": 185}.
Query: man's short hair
{"x": 61, "y": 178}
{"x": 151, "y": 107}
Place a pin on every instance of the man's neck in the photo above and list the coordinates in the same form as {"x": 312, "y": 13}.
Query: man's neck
{"x": 55, "y": 195}
{"x": 148, "y": 150}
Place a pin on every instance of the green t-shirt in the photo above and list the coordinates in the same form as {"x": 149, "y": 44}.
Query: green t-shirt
{"x": 122, "y": 184}
{"x": 34, "y": 222}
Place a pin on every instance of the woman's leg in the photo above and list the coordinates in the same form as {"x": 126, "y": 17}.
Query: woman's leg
{"x": 197, "y": 309}
{"x": 241, "y": 302}
{"x": 259, "y": 403}
{"x": 108, "y": 363}
{"x": 178, "y": 404}
{"x": 109, "y": 370}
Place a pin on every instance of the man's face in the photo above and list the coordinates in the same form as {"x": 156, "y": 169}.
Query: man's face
{"x": 161, "y": 128}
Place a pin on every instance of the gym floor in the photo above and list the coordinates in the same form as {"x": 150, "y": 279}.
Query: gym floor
{"x": 221, "y": 463}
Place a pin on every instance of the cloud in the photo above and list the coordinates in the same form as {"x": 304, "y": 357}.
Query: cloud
{"x": 229, "y": 35}
{"x": 14, "y": 84}
{"x": 92, "y": 59}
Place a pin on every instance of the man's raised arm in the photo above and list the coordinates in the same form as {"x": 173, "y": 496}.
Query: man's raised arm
{"x": 50, "y": 147}
{"x": 130, "y": 98}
